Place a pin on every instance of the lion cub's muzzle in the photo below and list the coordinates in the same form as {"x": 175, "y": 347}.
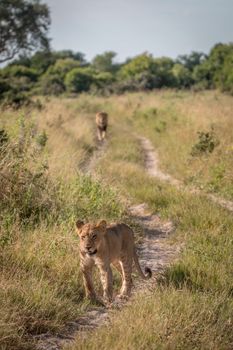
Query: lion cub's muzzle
{"x": 91, "y": 252}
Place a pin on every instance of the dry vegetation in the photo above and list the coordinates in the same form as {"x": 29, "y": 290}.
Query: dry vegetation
{"x": 40, "y": 280}
{"x": 173, "y": 123}
{"x": 42, "y": 193}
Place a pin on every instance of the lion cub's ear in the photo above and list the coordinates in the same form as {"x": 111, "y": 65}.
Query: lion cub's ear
{"x": 101, "y": 225}
{"x": 79, "y": 225}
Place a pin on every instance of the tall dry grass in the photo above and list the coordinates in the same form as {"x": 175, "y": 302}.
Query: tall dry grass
{"x": 41, "y": 284}
{"x": 41, "y": 288}
{"x": 191, "y": 307}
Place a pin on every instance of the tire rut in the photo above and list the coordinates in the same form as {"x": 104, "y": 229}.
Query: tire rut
{"x": 152, "y": 167}
{"x": 154, "y": 252}
{"x": 88, "y": 166}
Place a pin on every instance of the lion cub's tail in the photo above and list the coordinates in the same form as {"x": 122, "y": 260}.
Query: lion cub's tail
{"x": 148, "y": 272}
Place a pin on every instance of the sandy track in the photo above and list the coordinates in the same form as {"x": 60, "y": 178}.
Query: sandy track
{"x": 88, "y": 167}
{"x": 152, "y": 166}
{"x": 154, "y": 252}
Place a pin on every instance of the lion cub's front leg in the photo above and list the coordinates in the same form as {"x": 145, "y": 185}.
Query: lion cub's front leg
{"x": 106, "y": 279}
{"x": 99, "y": 134}
{"x": 88, "y": 283}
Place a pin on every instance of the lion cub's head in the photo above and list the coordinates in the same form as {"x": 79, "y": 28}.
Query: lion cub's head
{"x": 90, "y": 235}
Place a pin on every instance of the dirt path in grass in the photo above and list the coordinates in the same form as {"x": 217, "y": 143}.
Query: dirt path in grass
{"x": 89, "y": 165}
{"x": 154, "y": 252}
{"x": 152, "y": 166}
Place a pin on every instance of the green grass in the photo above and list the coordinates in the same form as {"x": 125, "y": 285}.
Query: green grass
{"x": 41, "y": 284}
{"x": 167, "y": 319}
{"x": 191, "y": 307}
{"x": 173, "y": 125}
{"x": 41, "y": 288}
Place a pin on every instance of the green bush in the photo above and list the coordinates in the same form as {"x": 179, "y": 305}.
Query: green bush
{"x": 79, "y": 80}
{"x": 42, "y": 139}
{"x": 183, "y": 77}
{"x": 51, "y": 85}
{"x": 62, "y": 67}
{"x": 19, "y": 71}
{"x": 4, "y": 87}
{"x": 15, "y": 99}
{"x": 3, "y": 137}
{"x": 26, "y": 193}
{"x": 207, "y": 141}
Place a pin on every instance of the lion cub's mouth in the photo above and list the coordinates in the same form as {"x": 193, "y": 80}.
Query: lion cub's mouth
{"x": 92, "y": 253}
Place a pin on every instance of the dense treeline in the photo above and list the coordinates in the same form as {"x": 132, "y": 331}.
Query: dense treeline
{"x": 54, "y": 73}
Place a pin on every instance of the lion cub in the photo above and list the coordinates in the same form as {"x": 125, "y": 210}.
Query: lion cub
{"x": 101, "y": 119}
{"x": 103, "y": 245}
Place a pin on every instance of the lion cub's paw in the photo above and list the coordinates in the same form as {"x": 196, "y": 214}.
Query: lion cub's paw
{"x": 122, "y": 297}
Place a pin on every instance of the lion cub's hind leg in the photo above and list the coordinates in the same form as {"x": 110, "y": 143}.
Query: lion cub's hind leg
{"x": 126, "y": 265}
{"x": 118, "y": 267}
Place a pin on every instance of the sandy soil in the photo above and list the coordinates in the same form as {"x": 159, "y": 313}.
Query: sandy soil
{"x": 152, "y": 166}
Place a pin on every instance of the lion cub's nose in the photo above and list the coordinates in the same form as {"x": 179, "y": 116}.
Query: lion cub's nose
{"x": 88, "y": 247}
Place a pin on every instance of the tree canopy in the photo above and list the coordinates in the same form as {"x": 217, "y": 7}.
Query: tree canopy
{"x": 23, "y": 27}
{"x": 57, "y": 72}
{"x": 104, "y": 62}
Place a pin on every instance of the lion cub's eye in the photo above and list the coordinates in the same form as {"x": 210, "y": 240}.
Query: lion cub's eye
{"x": 82, "y": 238}
{"x": 94, "y": 236}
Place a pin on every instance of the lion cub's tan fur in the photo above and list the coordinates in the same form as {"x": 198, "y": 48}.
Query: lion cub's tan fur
{"x": 104, "y": 245}
{"x": 101, "y": 119}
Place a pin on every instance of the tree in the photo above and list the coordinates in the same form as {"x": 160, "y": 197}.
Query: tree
{"x": 40, "y": 61}
{"x": 79, "y": 79}
{"x": 139, "y": 65}
{"x": 182, "y": 75}
{"x": 216, "y": 70}
{"x": 103, "y": 79}
{"x": 221, "y": 62}
{"x": 192, "y": 60}
{"x": 104, "y": 62}
{"x": 144, "y": 72}
{"x": 164, "y": 76}
{"x": 51, "y": 85}
{"x": 23, "y": 27}
{"x": 62, "y": 67}
{"x": 77, "y": 56}
{"x": 226, "y": 83}
{"x": 203, "y": 75}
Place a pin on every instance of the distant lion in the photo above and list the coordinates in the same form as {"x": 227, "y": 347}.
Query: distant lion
{"x": 104, "y": 245}
{"x": 101, "y": 119}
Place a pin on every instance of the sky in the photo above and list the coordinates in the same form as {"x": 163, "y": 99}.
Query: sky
{"x": 130, "y": 27}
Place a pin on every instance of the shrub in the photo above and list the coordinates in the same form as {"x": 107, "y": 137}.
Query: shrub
{"x": 182, "y": 76}
{"x": 15, "y": 99}
{"x": 4, "y": 87}
{"x": 3, "y": 137}
{"x": 51, "y": 85}
{"x": 26, "y": 192}
{"x": 42, "y": 139}
{"x": 207, "y": 141}
{"x": 62, "y": 67}
{"x": 79, "y": 79}
{"x": 102, "y": 81}
{"x": 19, "y": 71}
